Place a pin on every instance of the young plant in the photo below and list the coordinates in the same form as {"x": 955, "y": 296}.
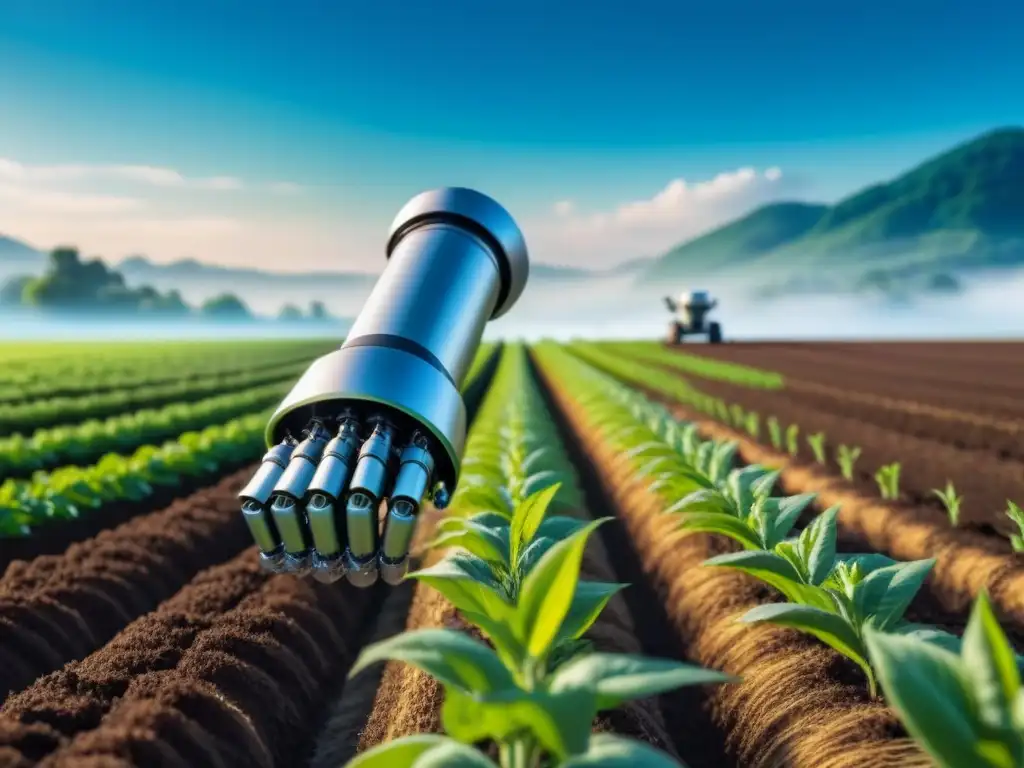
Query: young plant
{"x": 888, "y": 479}
{"x": 950, "y": 501}
{"x": 753, "y": 425}
{"x": 774, "y": 433}
{"x": 966, "y": 708}
{"x": 523, "y": 694}
{"x": 846, "y": 457}
{"x": 792, "y": 440}
{"x": 817, "y": 444}
{"x": 1016, "y": 514}
{"x": 738, "y": 416}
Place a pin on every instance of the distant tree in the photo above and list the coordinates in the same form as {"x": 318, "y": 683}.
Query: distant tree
{"x": 290, "y": 313}
{"x": 13, "y": 289}
{"x": 317, "y": 311}
{"x": 943, "y": 282}
{"x": 227, "y": 306}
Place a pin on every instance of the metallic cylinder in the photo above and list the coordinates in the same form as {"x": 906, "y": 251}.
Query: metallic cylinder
{"x": 261, "y": 485}
{"x": 455, "y": 260}
{"x": 325, "y": 493}
{"x": 368, "y": 486}
{"x": 399, "y": 528}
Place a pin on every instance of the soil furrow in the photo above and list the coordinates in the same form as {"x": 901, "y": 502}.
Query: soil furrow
{"x": 966, "y": 562}
{"x": 57, "y": 608}
{"x": 56, "y": 537}
{"x": 984, "y": 479}
{"x": 799, "y": 703}
{"x": 231, "y": 671}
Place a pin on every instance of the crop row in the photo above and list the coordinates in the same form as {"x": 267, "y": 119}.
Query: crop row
{"x": 69, "y": 492}
{"x": 654, "y": 352}
{"x": 788, "y": 439}
{"x": 516, "y": 546}
{"x": 206, "y": 365}
{"x": 737, "y": 532}
{"x": 27, "y": 418}
{"x": 88, "y": 441}
{"x": 58, "y": 362}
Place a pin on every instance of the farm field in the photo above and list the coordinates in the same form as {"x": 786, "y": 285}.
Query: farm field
{"x": 564, "y": 605}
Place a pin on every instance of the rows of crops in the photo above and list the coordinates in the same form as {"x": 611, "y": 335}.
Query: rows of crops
{"x": 652, "y": 558}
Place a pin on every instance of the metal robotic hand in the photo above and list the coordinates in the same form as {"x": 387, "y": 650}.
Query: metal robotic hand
{"x": 382, "y": 418}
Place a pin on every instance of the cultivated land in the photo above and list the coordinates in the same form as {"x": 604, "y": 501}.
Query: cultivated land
{"x": 136, "y": 627}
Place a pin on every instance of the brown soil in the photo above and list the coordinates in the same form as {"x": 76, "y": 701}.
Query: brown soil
{"x": 799, "y": 703}
{"x": 231, "y": 671}
{"x": 56, "y": 537}
{"x": 57, "y": 608}
{"x": 966, "y": 562}
{"x": 978, "y": 451}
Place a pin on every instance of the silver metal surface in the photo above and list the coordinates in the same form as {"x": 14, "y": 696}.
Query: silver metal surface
{"x": 455, "y": 260}
{"x": 361, "y": 521}
{"x": 288, "y": 517}
{"x": 454, "y": 203}
{"x": 328, "y": 569}
{"x": 273, "y": 464}
{"x": 385, "y": 376}
{"x": 398, "y": 529}
{"x": 260, "y": 528}
{"x": 320, "y": 511}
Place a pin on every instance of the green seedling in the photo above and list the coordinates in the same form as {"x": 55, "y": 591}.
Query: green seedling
{"x": 739, "y": 416}
{"x": 753, "y": 425}
{"x": 950, "y": 501}
{"x": 774, "y": 433}
{"x": 792, "y": 440}
{"x": 888, "y": 479}
{"x": 846, "y": 457}
{"x": 1016, "y": 514}
{"x": 817, "y": 445}
{"x": 965, "y": 708}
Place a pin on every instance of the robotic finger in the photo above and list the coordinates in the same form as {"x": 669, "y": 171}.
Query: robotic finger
{"x": 380, "y": 422}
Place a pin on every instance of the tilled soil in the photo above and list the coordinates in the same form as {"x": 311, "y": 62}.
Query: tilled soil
{"x": 984, "y": 458}
{"x": 799, "y": 703}
{"x": 57, "y": 608}
{"x": 233, "y": 670}
{"x": 54, "y": 538}
{"x": 966, "y": 562}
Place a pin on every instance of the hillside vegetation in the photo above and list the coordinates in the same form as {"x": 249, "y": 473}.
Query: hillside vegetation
{"x": 960, "y": 211}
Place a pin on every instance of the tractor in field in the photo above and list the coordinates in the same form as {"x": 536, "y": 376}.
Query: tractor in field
{"x": 690, "y": 311}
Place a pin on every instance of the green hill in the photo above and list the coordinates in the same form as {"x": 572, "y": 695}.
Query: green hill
{"x": 960, "y": 211}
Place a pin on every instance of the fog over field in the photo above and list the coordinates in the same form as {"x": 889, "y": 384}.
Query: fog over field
{"x": 990, "y": 305}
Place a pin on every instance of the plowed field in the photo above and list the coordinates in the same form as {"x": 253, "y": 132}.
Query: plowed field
{"x": 139, "y": 630}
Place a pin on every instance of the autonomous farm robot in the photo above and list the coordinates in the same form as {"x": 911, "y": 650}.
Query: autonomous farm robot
{"x": 690, "y": 312}
{"x": 379, "y": 425}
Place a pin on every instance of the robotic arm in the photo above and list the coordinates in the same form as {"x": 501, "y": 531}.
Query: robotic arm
{"x": 382, "y": 417}
{"x": 671, "y": 304}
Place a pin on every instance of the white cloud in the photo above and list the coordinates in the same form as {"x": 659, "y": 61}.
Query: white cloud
{"x": 156, "y": 176}
{"x": 564, "y": 207}
{"x": 53, "y": 202}
{"x": 679, "y": 211}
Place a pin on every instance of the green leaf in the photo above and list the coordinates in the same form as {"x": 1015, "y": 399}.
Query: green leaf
{"x": 485, "y": 543}
{"x": 708, "y": 500}
{"x": 547, "y": 592}
{"x": 619, "y": 677}
{"x": 422, "y": 750}
{"x": 991, "y": 666}
{"x": 560, "y": 721}
{"x": 776, "y": 571}
{"x": 453, "y": 658}
{"x": 608, "y": 751}
{"x": 885, "y": 594}
{"x": 527, "y": 519}
{"x": 588, "y": 601}
{"x": 721, "y": 523}
{"x": 830, "y": 628}
{"x": 559, "y": 527}
{"x": 449, "y": 577}
{"x": 927, "y": 688}
{"x": 783, "y": 514}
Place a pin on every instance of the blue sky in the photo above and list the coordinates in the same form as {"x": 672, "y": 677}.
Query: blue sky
{"x": 319, "y": 119}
